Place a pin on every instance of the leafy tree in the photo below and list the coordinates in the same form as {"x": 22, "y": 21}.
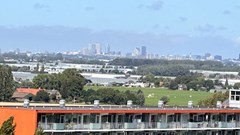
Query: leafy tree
{"x": 47, "y": 81}
{"x": 8, "y": 127}
{"x": 192, "y": 85}
{"x": 86, "y": 95}
{"x": 217, "y": 82}
{"x": 72, "y": 83}
{"x": 107, "y": 95}
{"x": 136, "y": 96}
{"x": 39, "y": 132}
{"x": 42, "y": 95}
{"x": 26, "y": 84}
{"x": 69, "y": 83}
{"x": 236, "y": 86}
{"x": 30, "y": 97}
{"x": 6, "y": 83}
{"x": 42, "y": 69}
{"x": 208, "y": 84}
{"x": 212, "y": 101}
{"x": 140, "y": 98}
{"x": 41, "y": 81}
{"x": 120, "y": 99}
{"x": 173, "y": 85}
{"x": 165, "y": 99}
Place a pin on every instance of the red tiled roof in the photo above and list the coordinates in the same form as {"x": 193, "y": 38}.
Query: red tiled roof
{"x": 19, "y": 94}
{"x": 28, "y": 90}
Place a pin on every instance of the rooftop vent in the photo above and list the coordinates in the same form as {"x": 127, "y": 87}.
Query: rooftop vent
{"x": 26, "y": 103}
{"x": 160, "y": 104}
{"x": 190, "y": 104}
{"x": 129, "y": 103}
{"x": 62, "y": 103}
{"x": 219, "y": 104}
{"x": 96, "y": 103}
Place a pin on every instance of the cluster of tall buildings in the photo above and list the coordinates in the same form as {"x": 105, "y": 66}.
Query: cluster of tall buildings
{"x": 138, "y": 52}
{"x": 98, "y": 49}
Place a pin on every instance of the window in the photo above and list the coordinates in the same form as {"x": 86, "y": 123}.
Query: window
{"x": 238, "y": 93}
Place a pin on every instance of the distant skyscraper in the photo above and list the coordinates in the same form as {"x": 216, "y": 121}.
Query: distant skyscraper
{"x": 92, "y": 49}
{"x": 85, "y": 51}
{"x": 108, "y": 49}
{"x": 144, "y": 51}
{"x": 95, "y": 49}
{"x": 207, "y": 55}
{"x": 136, "y": 52}
{"x": 98, "y": 49}
{"x": 218, "y": 57}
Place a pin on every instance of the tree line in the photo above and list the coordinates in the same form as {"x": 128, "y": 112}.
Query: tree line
{"x": 115, "y": 97}
{"x": 162, "y": 67}
{"x": 192, "y": 81}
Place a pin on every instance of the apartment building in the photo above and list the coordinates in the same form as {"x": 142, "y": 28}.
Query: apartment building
{"x": 124, "y": 120}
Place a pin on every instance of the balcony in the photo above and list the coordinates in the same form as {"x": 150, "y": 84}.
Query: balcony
{"x": 140, "y": 125}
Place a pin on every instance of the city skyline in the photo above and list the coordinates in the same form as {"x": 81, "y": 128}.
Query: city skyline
{"x": 164, "y": 27}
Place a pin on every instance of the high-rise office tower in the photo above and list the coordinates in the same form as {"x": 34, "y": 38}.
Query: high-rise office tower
{"x": 143, "y": 51}
{"x": 108, "y": 48}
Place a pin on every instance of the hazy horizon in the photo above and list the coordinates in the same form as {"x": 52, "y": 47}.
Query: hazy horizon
{"x": 164, "y": 27}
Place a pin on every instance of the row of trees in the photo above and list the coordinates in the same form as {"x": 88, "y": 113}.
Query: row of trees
{"x": 116, "y": 97}
{"x": 164, "y": 70}
{"x": 173, "y": 67}
{"x": 158, "y": 81}
{"x": 192, "y": 81}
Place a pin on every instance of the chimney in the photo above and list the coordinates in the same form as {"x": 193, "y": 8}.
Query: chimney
{"x": 26, "y": 103}
{"x": 160, "y": 104}
{"x": 219, "y": 104}
{"x": 190, "y": 104}
{"x": 129, "y": 103}
{"x": 62, "y": 103}
{"x": 96, "y": 103}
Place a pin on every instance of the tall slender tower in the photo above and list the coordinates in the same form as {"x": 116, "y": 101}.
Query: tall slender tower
{"x": 108, "y": 49}
{"x": 143, "y": 51}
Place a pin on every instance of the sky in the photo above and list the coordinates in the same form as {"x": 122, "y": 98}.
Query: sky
{"x": 179, "y": 27}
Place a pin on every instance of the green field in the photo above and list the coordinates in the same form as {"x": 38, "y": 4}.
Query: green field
{"x": 152, "y": 95}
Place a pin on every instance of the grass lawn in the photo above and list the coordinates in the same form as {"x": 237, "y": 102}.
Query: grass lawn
{"x": 152, "y": 95}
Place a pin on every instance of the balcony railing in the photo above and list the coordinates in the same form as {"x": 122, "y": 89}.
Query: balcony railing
{"x": 139, "y": 125}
